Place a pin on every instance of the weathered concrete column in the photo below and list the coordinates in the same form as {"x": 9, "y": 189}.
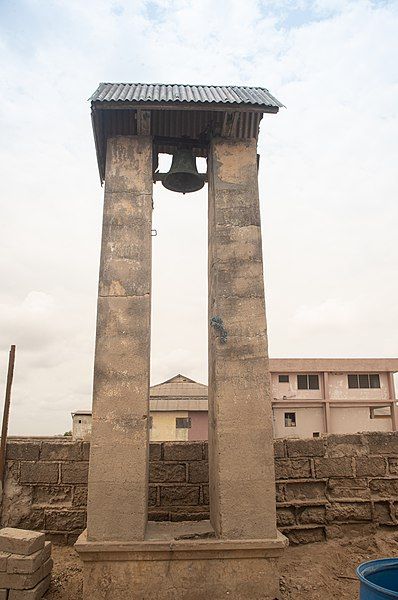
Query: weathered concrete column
{"x": 242, "y": 480}
{"x": 118, "y": 476}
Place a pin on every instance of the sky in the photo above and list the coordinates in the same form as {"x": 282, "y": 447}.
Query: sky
{"x": 328, "y": 182}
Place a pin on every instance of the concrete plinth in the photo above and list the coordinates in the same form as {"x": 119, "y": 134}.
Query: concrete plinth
{"x": 181, "y": 561}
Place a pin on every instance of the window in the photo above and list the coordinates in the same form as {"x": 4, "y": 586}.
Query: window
{"x": 380, "y": 412}
{"x": 307, "y": 382}
{"x": 290, "y": 419}
{"x": 316, "y": 434}
{"x": 80, "y": 421}
{"x": 283, "y": 378}
{"x": 183, "y": 423}
{"x": 364, "y": 380}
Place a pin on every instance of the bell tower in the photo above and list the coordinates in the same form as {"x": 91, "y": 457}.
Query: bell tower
{"x": 235, "y": 554}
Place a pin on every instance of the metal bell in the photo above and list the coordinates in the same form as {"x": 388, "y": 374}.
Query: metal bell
{"x": 183, "y": 175}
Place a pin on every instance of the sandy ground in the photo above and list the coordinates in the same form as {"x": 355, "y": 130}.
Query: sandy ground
{"x": 322, "y": 571}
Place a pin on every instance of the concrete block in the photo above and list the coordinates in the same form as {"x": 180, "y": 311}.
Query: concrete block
{"x": 182, "y": 451}
{"x": 333, "y": 467}
{"x": 383, "y": 442}
{"x": 4, "y": 595}
{"x": 305, "y": 536}
{"x": 205, "y": 496}
{"x": 86, "y": 451}
{"x": 155, "y": 451}
{"x": 152, "y": 495}
{"x": 65, "y": 520}
{"x": 23, "y": 450}
{"x": 311, "y": 515}
{"x": 39, "y": 472}
{"x": 166, "y": 472}
{"x": 347, "y": 512}
{"x": 25, "y": 581}
{"x": 76, "y": 472}
{"x": 384, "y": 488}
{"x": 296, "y": 468}
{"x": 306, "y": 490}
{"x": 18, "y": 563}
{"x": 79, "y": 495}
{"x": 367, "y": 466}
{"x": 3, "y": 560}
{"x": 298, "y": 448}
{"x": 346, "y": 487}
{"x": 198, "y": 472}
{"x": 61, "y": 451}
{"x": 20, "y": 541}
{"x": 382, "y": 513}
{"x": 179, "y": 495}
{"x": 285, "y": 517}
{"x": 346, "y": 445}
{"x": 35, "y": 593}
{"x": 279, "y": 449}
{"x": 52, "y": 495}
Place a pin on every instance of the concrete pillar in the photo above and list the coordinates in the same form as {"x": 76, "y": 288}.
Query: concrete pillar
{"x": 118, "y": 475}
{"x": 241, "y": 457}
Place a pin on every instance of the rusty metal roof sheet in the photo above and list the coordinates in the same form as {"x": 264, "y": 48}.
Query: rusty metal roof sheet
{"x": 198, "y": 94}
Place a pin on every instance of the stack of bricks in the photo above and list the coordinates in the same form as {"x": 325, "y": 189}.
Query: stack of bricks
{"x": 25, "y": 564}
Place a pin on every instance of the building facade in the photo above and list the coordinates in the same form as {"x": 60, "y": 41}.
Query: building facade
{"x": 311, "y": 397}
{"x": 178, "y": 412}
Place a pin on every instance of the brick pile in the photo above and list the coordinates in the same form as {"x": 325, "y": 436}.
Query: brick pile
{"x": 25, "y": 564}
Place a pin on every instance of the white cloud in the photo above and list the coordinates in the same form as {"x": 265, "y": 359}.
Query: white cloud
{"x": 327, "y": 180}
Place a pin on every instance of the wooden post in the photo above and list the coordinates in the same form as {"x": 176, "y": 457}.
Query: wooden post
{"x": 6, "y": 412}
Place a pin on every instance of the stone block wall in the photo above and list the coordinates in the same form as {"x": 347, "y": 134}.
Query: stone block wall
{"x": 323, "y": 484}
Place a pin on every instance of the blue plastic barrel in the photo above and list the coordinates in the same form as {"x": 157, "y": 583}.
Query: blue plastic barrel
{"x": 379, "y": 579}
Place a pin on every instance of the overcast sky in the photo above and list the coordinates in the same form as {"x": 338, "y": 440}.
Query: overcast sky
{"x": 328, "y": 182}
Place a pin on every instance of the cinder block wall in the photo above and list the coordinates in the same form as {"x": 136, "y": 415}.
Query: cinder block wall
{"x": 323, "y": 484}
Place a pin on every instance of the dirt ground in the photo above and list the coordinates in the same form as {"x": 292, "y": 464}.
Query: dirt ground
{"x": 322, "y": 571}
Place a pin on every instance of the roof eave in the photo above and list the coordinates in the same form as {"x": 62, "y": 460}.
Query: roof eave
{"x": 219, "y": 106}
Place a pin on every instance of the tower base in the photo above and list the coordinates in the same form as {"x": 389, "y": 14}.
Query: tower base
{"x": 181, "y": 561}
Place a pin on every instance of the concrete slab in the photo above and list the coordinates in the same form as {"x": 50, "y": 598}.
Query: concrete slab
{"x": 20, "y": 541}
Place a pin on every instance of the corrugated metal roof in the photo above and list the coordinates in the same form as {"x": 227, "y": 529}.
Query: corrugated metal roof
{"x": 199, "y": 94}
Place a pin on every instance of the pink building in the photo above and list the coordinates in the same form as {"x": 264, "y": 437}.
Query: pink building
{"x": 312, "y": 396}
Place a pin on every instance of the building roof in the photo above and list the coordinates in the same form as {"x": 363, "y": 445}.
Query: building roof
{"x": 179, "y": 387}
{"x": 194, "y": 112}
{"x": 191, "y": 94}
{"x": 333, "y": 365}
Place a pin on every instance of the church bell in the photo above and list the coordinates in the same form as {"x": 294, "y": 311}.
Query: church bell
{"x": 183, "y": 175}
